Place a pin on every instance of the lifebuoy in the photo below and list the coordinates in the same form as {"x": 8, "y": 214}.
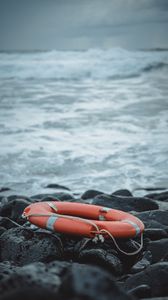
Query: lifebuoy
{"x": 83, "y": 219}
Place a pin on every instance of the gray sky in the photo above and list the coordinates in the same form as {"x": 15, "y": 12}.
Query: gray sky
{"x": 83, "y": 24}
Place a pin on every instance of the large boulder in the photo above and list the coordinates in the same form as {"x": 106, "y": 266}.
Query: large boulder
{"x": 100, "y": 257}
{"x": 90, "y": 282}
{"x": 60, "y": 280}
{"x": 125, "y": 203}
{"x": 154, "y": 219}
{"x": 155, "y": 277}
{"x": 28, "y": 281}
{"x": 23, "y": 246}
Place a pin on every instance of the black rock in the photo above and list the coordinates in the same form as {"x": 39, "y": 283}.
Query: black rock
{"x": 165, "y": 258}
{"x": 107, "y": 255}
{"x": 154, "y": 219}
{"x": 57, "y": 186}
{"x": 141, "y": 291}
{"x": 155, "y": 276}
{"x": 125, "y": 203}
{"x": 155, "y": 233}
{"x": 158, "y": 196}
{"x": 143, "y": 263}
{"x": 23, "y": 246}
{"x": 29, "y": 278}
{"x": 89, "y": 282}
{"x": 159, "y": 249}
{"x": 18, "y": 197}
{"x": 6, "y": 269}
{"x": 53, "y": 197}
{"x": 2, "y": 230}
{"x": 103, "y": 258}
{"x": 8, "y": 223}
{"x": 123, "y": 193}
{"x": 69, "y": 244}
{"x": 4, "y": 189}
{"x": 14, "y": 209}
{"x": 90, "y": 194}
{"x": 58, "y": 280}
{"x": 27, "y": 293}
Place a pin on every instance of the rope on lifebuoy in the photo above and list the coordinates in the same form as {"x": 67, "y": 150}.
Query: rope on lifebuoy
{"x": 98, "y": 233}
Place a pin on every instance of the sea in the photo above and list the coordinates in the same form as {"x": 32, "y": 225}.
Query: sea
{"x": 93, "y": 119}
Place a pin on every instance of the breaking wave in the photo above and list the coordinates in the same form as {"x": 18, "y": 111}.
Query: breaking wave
{"x": 80, "y": 65}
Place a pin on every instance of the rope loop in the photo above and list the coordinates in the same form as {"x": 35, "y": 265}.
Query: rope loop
{"x": 98, "y": 233}
{"x": 99, "y": 237}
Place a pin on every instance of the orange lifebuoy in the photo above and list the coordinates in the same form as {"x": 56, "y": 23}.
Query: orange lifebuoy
{"x": 83, "y": 219}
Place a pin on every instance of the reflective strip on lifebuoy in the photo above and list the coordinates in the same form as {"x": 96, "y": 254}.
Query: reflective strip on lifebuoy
{"x": 83, "y": 219}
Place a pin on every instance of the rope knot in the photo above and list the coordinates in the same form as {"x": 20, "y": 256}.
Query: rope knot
{"x": 98, "y": 237}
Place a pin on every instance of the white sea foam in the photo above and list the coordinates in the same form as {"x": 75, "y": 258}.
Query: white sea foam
{"x": 91, "y": 64}
{"x": 92, "y": 119}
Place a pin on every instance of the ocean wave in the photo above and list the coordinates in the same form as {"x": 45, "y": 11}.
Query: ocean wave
{"x": 155, "y": 66}
{"x": 80, "y": 65}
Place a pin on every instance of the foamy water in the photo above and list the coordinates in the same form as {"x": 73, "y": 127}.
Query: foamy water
{"x": 94, "y": 119}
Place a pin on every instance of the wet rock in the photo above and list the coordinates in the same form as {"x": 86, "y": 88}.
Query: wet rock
{"x": 2, "y": 230}
{"x": 64, "y": 197}
{"x": 27, "y": 293}
{"x": 154, "y": 219}
{"x": 90, "y": 194}
{"x": 103, "y": 258}
{"x": 18, "y": 197}
{"x": 6, "y": 269}
{"x": 89, "y": 282}
{"x": 14, "y": 209}
{"x": 58, "y": 268}
{"x": 107, "y": 255}
{"x": 8, "y": 223}
{"x": 4, "y": 189}
{"x": 149, "y": 189}
{"x": 129, "y": 246}
{"x": 123, "y": 193}
{"x": 69, "y": 245}
{"x": 158, "y": 196}
{"x": 31, "y": 277}
{"x": 23, "y": 246}
{"x": 155, "y": 233}
{"x": 141, "y": 291}
{"x": 165, "y": 258}
{"x": 159, "y": 249}
{"x": 60, "y": 280}
{"x": 125, "y": 203}
{"x": 155, "y": 276}
{"x": 53, "y": 197}
{"x": 57, "y": 186}
{"x": 143, "y": 263}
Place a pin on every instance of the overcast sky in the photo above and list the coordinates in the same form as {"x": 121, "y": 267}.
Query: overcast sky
{"x": 83, "y": 24}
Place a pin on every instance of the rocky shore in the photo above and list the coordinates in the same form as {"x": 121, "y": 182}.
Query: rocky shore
{"x": 39, "y": 264}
